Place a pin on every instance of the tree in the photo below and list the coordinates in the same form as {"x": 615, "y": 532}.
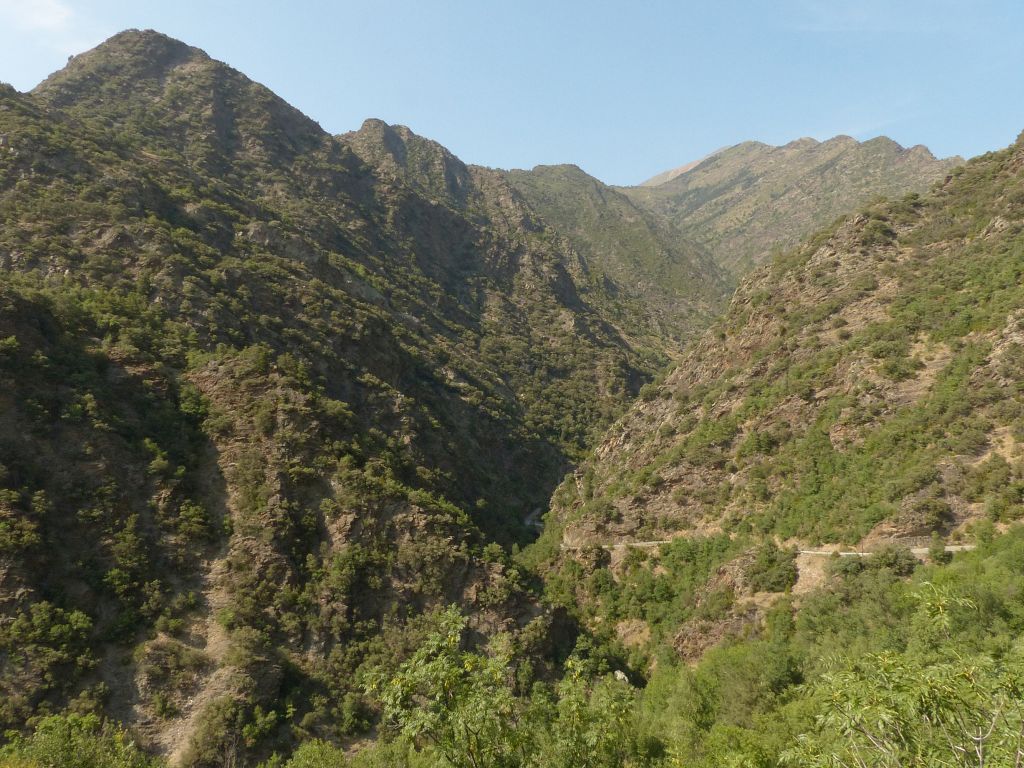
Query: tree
{"x": 82, "y": 741}
{"x": 937, "y": 553}
{"x": 590, "y": 726}
{"x": 925, "y": 707}
{"x": 458, "y": 702}
{"x": 461, "y": 707}
{"x": 892, "y": 711}
{"x": 773, "y": 569}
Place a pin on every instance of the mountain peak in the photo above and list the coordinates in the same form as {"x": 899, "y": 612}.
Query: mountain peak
{"x": 421, "y": 162}
{"x": 884, "y": 142}
{"x": 843, "y": 140}
{"x": 149, "y": 39}
{"x": 153, "y": 86}
{"x": 395, "y": 139}
{"x": 804, "y": 142}
{"x": 133, "y": 53}
{"x": 565, "y": 169}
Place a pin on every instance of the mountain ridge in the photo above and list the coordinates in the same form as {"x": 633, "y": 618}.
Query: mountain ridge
{"x": 748, "y": 199}
{"x": 814, "y": 351}
{"x": 660, "y": 178}
{"x": 272, "y": 399}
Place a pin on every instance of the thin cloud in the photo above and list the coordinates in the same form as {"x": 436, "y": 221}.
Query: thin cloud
{"x": 53, "y": 24}
{"x": 37, "y": 15}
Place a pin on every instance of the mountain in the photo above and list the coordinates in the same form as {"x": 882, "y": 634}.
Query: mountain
{"x": 267, "y": 393}
{"x": 670, "y": 174}
{"x": 277, "y": 406}
{"x": 676, "y": 245}
{"x": 861, "y": 395}
{"x": 863, "y": 389}
{"x": 654, "y": 265}
{"x": 745, "y": 202}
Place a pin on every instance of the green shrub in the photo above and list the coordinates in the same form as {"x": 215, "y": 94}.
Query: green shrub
{"x": 773, "y": 569}
{"x": 81, "y": 741}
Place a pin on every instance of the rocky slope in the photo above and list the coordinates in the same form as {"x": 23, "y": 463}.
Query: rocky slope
{"x": 675, "y": 246}
{"x": 664, "y": 176}
{"x": 675, "y": 280}
{"x": 745, "y": 202}
{"x": 863, "y": 387}
{"x": 862, "y": 392}
{"x": 267, "y": 391}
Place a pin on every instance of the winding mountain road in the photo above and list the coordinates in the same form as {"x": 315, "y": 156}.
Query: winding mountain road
{"x": 917, "y": 551}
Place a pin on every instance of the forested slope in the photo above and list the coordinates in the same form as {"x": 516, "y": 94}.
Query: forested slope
{"x": 278, "y": 407}
{"x": 265, "y": 396}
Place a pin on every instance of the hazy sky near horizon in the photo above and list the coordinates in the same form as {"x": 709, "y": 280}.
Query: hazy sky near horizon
{"x": 623, "y": 89}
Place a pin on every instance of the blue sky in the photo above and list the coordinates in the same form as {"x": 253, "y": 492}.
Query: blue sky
{"x": 622, "y": 89}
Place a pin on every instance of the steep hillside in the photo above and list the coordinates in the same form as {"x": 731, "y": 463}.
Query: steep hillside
{"x": 676, "y": 245}
{"x": 267, "y": 392}
{"x": 863, "y": 389}
{"x": 670, "y": 174}
{"x": 271, "y": 400}
{"x": 675, "y": 281}
{"x": 746, "y": 202}
{"x": 649, "y": 318}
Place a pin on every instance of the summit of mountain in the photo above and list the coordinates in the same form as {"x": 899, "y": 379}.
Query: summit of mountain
{"x": 180, "y": 99}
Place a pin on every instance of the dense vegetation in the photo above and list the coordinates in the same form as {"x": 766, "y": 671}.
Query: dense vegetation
{"x": 264, "y": 396}
{"x": 279, "y": 410}
{"x": 877, "y": 669}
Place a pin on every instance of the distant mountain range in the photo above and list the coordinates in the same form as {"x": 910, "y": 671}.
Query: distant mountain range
{"x": 746, "y": 201}
{"x": 670, "y": 174}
